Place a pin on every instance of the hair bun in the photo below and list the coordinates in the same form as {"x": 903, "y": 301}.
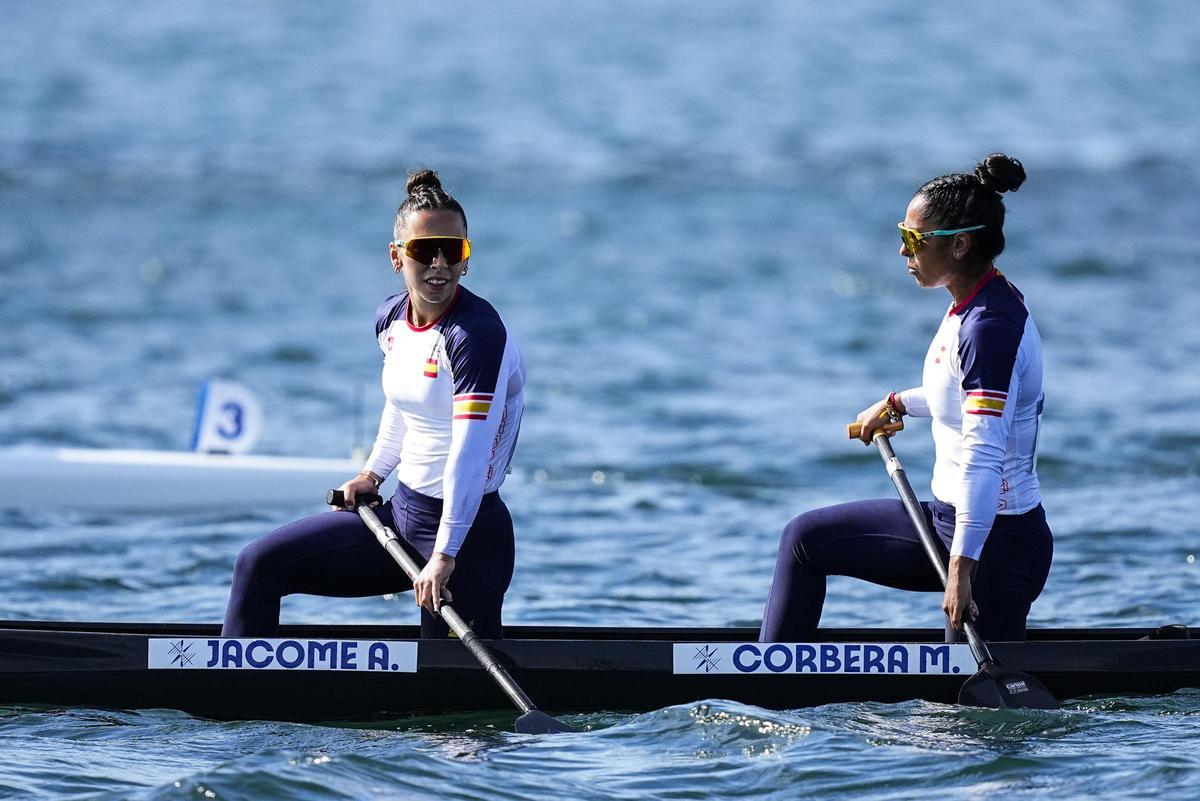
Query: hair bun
{"x": 1000, "y": 173}
{"x": 423, "y": 179}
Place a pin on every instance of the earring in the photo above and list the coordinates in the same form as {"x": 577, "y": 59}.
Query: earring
{"x": 464, "y": 271}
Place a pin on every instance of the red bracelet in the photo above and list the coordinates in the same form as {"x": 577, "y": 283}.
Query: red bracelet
{"x": 893, "y": 412}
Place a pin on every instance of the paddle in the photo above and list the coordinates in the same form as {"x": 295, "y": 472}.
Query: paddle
{"x": 993, "y": 685}
{"x": 533, "y": 720}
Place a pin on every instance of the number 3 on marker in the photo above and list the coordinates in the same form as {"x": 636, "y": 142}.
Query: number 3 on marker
{"x": 231, "y": 425}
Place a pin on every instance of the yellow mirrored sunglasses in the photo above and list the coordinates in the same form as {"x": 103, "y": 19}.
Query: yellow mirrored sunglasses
{"x": 914, "y": 239}
{"x": 424, "y": 249}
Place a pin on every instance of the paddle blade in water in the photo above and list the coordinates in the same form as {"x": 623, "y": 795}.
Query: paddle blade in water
{"x": 535, "y": 722}
{"x": 995, "y": 687}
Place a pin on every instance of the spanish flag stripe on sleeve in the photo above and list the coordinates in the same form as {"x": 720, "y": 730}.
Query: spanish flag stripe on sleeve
{"x": 472, "y": 405}
{"x": 986, "y": 402}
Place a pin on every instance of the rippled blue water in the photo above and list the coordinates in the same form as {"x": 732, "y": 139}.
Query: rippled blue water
{"x": 686, "y": 214}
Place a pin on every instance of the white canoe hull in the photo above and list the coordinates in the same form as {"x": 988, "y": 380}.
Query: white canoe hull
{"x": 127, "y": 480}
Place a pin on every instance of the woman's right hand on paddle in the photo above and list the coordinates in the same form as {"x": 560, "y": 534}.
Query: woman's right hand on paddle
{"x": 956, "y": 601}
{"x": 873, "y": 417}
{"x": 429, "y": 588}
{"x": 360, "y": 484}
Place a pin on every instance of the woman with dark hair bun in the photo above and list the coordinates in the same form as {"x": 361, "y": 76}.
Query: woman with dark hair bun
{"x": 982, "y": 385}
{"x": 454, "y": 382}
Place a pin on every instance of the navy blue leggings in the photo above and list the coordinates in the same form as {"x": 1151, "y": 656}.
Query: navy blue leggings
{"x": 335, "y": 554}
{"x": 875, "y": 541}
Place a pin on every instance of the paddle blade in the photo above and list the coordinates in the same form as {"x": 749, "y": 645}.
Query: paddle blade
{"x": 996, "y": 687}
{"x": 535, "y": 722}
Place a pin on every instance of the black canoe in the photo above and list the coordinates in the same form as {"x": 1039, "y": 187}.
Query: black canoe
{"x": 314, "y": 673}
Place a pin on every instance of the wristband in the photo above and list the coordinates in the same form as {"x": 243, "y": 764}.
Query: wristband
{"x": 374, "y": 479}
{"x": 892, "y": 412}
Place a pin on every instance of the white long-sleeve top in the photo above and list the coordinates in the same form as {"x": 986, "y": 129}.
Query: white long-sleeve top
{"x": 454, "y": 397}
{"x": 982, "y": 385}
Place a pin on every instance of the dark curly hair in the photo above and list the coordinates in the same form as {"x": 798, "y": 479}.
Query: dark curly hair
{"x": 960, "y": 200}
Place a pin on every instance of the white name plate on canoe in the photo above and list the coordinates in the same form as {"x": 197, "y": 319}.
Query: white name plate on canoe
{"x": 203, "y": 653}
{"x": 779, "y": 658}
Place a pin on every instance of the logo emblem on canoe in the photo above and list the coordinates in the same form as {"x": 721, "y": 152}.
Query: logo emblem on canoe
{"x": 707, "y": 658}
{"x": 1015, "y": 687}
{"x": 181, "y": 653}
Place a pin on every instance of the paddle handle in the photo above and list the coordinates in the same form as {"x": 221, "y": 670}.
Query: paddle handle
{"x": 391, "y": 543}
{"x": 917, "y": 516}
{"x": 338, "y": 498}
{"x": 854, "y": 430}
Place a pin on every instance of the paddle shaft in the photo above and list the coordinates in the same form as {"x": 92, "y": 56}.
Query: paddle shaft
{"x": 917, "y": 516}
{"x": 391, "y": 543}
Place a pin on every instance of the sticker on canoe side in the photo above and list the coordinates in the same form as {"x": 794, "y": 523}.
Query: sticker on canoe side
{"x": 885, "y": 659}
{"x": 203, "y": 653}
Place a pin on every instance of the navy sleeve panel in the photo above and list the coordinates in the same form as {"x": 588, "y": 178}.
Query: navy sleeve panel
{"x": 475, "y": 345}
{"x": 989, "y": 338}
{"x": 987, "y": 351}
{"x": 388, "y": 312}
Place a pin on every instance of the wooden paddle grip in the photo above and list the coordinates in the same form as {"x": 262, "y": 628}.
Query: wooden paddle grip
{"x": 854, "y": 430}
